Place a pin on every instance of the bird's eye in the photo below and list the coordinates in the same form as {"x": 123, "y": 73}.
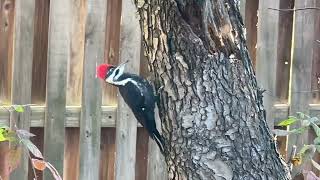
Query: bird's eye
{"x": 109, "y": 72}
{"x": 116, "y": 73}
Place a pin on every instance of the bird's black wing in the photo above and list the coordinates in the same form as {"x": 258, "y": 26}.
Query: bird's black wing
{"x": 139, "y": 97}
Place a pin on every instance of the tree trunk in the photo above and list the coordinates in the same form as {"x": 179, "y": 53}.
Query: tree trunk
{"x": 211, "y": 108}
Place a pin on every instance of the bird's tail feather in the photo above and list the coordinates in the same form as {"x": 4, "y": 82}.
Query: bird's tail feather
{"x": 159, "y": 140}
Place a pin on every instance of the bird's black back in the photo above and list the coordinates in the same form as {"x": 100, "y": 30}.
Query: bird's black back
{"x": 140, "y": 98}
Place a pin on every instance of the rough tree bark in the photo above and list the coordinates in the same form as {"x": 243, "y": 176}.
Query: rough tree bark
{"x": 211, "y": 107}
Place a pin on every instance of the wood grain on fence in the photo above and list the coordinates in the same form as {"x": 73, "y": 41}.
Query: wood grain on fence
{"x": 109, "y": 95}
{"x": 22, "y": 73}
{"x": 75, "y": 65}
{"x": 90, "y": 123}
{"x": 40, "y": 52}
{"x": 303, "y": 54}
{"x": 126, "y": 124}
{"x": 249, "y": 10}
{"x": 58, "y": 56}
{"x": 6, "y": 48}
{"x": 315, "y": 87}
{"x": 285, "y": 27}
{"x": 71, "y": 156}
{"x": 266, "y": 64}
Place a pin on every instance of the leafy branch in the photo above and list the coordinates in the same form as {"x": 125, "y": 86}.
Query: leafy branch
{"x": 306, "y": 152}
{"x": 20, "y": 138}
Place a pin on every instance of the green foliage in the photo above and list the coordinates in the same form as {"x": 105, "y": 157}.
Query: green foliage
{"x": 306, "y": 122}
{"x": 7, "y": 135}
{"x": 287, "y": 122}
{"x": 18, "y": 108}
{"x": 19, "y": 139}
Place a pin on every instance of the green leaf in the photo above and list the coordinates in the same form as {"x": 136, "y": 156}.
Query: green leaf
{"x": 305, "y": 123}
{"x": 315, "y": 164}
{"x": 302, "y": 115}
{"x": 287, "y": 122}
{"x": 32, "y": 148}
{"x": 304, "y": 149}
{"x": 318, "y": 148}
{"x": 307, "y": 150}
{"x": 316, "y": 141}
{"x": 2, "y": 135}
{"x": 18, "y": 108}
{"x": 11, "y": 136}
{"x": 314, "y": 120}
{"x": 316, "y": 129}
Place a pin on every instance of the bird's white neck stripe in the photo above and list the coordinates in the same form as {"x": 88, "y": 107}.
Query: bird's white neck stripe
{"x": 122, "y": 82}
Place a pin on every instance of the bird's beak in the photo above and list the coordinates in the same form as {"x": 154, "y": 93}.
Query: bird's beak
{"x": 122, "y": 65}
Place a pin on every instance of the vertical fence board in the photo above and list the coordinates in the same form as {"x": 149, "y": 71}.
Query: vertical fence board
{"x": 109, "y": 95}
{"x": 107, "y": 159}
{"x": 126, "y": 124}
{"x": 4, "y": 149}
{"x": 6, "y": 47}
{"x": 156, "y": 163}
{"x": 40, "y": 52}
{"x": 90, "y": 122}
{"x": 75, "y": 65}
{"x": 267, "y": 53}
{"x": 38, "y": 141}
{"x": 142, "y": 154}
{"x": 285, "y": 27}
{"x": 58, "y": 56}
{"x": 249, "y": 13}
{"x": 22, "y": 73}
{"x": 316, "y": 58}
{"x": 71, "y": 157}
{"x": 302, "y": 66}
{"x": 250, "y": 21}
{"x": 242, "y": 9}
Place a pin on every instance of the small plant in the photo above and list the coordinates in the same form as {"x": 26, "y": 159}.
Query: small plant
{"x": 19, "y": 141}
{"x": 305, "y": 153}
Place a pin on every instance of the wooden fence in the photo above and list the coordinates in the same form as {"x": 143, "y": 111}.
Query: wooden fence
{"x": 48, "y": 54}
{"x": 283, "y": 40}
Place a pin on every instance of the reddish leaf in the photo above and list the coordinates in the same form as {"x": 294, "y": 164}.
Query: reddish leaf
{"x": 39, "y": 164}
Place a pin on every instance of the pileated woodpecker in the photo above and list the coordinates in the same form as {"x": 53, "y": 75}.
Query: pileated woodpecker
{"x": 137, "y": 93}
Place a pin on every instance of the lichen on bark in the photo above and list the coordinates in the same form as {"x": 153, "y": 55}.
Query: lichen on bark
{"x": 211, "y": 108}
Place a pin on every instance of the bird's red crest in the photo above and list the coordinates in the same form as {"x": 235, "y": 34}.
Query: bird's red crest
{"x": 102, "y": 70}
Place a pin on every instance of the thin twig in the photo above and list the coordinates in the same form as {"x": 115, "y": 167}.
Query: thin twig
{"x": 297, "y": 9}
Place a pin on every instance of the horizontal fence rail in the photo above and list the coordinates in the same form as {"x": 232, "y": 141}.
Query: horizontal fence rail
{"x": 37, "y": 118}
